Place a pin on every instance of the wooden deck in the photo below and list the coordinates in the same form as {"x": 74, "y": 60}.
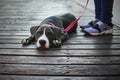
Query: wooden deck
{"x": 80, "y": 58}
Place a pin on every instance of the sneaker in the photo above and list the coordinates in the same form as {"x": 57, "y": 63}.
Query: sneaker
{"x": 90, "y": 24}
{"x": 99, "y": 28}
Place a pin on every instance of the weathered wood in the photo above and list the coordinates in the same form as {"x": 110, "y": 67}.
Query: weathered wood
{"x": 28, "y": 32}
{"x": 60, "y": 70}
{"x": 15, "y": 77}
{"x": 59, "y": 60}
{"x": 72, "y": 40}
{"x": 59, "y": 53}
{"x": 79, "y": 58}
{"x": 68, "y": 47}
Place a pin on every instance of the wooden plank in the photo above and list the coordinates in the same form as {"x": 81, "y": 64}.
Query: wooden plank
{"x": 20, "y": 23}
{"x": 94, "y": 40}
{"x": 13, "y": 37}
{"x": 26, "y": 19}
{"x": 28, "y": 25}
{"x": 113, "y": 34}
{"x": 14, "y": 34}
{"x": 20, "y": 33}
{"x": 15, "y": 77}
{"x": 58, "y": 53}
{"x": 25, "y": 29}
{"x": 79, "y": 58}
{"x": 72, "y": 40}
{"x": 14, "y": 29}
{"x": 60, "y": 70}
{"x": 68, "y": 47}
{"x": 93, "y": 47}
{"x": 14, "y": 1}
{"x": 98, "y": 53}
{"x": 32, "y": 52}
{"x": 59, "y": 60}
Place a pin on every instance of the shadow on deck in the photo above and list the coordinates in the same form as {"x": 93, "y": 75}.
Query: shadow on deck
{"x": 79, "y": 58}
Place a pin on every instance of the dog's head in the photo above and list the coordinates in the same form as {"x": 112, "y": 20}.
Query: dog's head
{"x": 48, "y": 36}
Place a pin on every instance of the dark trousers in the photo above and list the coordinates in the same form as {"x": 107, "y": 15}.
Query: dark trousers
{"x": 103, "y": 10}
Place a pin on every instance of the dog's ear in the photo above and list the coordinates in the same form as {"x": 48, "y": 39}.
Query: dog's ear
{"x": 33, "y": 29}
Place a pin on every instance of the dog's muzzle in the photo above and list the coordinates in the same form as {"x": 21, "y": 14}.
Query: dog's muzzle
{"x": 43, "y": 41}
{"x": 42, "y": 44}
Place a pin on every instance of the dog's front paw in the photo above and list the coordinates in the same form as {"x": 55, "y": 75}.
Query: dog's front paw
{"x": 25, "y": 42}
{"x": 56, "y": 43}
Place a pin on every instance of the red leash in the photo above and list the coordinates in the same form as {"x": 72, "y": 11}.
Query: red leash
{"x": 75, "y": 21}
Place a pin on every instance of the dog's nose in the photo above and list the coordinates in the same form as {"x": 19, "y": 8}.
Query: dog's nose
{"x": 42, "y": 42}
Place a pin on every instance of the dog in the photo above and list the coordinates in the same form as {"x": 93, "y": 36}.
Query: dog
{"x": 50, "y": 32}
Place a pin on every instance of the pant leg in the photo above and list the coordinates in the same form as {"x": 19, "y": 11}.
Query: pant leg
{"x": 106, "y": 11}
{"x": 97, "y": 9}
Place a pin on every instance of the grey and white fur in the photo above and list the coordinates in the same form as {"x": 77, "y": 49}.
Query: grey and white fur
{"x": 50, "y": 32}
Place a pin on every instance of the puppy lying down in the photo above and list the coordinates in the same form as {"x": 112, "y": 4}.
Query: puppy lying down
{"x": 50, "y": 32}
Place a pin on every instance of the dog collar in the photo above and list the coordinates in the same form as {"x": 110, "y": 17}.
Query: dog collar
{"x": 48, "y": 23}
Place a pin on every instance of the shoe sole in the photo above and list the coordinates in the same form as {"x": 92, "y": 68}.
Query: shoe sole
{"x": 102, "y": 33}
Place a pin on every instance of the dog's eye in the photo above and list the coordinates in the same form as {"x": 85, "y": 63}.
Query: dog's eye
{"x": 38, "y": 34}
{"x": 49, "y": 33}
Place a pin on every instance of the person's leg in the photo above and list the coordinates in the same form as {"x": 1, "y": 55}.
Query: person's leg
{"x": 104, "y": 26}
{"x": 106, "y": 11}
{"x": 98, "y": 9}
{"x": 97, "y": 4}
